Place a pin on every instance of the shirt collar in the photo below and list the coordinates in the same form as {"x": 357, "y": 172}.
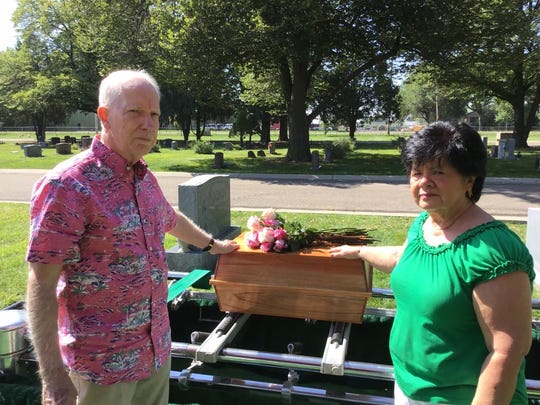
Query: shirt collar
{"x": 117, "y": 163}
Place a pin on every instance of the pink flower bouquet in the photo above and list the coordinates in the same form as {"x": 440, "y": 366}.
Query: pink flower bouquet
{"x": 267, "y": 232}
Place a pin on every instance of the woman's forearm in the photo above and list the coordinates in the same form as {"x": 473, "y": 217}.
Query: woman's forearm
{"x": 497, "y": 381}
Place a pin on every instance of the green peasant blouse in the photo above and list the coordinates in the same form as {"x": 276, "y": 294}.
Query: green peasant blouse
{"x": 436, "y": 344}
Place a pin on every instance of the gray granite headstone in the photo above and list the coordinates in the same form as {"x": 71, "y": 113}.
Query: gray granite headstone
{"x": 63, "y": 148}
{"x": 86, "y": 141}
{"x": 32, "y": 151}
{"x": 206, "y": 201}
{"x": 315, "y": 160}
{"x": 502, "y": 149}
{"x": 533, "y": 240}
{"x": 510, "y": 147}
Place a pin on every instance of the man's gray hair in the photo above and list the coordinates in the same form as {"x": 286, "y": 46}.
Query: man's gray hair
{"x": 111, "y": 86}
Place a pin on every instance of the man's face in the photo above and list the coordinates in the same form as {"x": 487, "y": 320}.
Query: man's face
{"x": 131, "y": 122}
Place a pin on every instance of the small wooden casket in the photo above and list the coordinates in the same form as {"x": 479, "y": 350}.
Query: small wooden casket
{"x": 304, "y": 284}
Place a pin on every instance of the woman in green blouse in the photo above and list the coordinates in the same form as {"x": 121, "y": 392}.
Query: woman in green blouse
{"x": 462, "y": 281}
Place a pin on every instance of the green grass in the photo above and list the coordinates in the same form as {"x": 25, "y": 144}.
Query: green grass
{"x": 369, "y": 158}
{"x": 387, "y": 230}
{"x": 13, "y": 239}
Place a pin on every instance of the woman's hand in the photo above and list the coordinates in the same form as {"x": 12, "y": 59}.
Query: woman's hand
{"x": 346, "y": 252}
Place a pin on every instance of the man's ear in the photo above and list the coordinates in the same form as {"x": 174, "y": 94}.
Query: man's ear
{"x": 102, "y": 113}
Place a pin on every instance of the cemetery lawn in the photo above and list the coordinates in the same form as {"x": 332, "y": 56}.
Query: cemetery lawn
{"x": 386, "y": 230}
{"x": 375, "y": 154}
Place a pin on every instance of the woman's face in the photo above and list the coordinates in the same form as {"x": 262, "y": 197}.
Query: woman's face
{"x": 438, "y": 186}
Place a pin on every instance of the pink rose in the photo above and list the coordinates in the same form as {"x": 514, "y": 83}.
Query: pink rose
{"x": 272, "y": 223}
{"x": 269, "y": 213}
{"x": 266, "y": 246}
{"x": 266, "y": 235}
{"x": 280, "y": 245}
{"x": 251, "y": 239}
{"x": 254, "y": 223}
{"x": 280, "y": 233}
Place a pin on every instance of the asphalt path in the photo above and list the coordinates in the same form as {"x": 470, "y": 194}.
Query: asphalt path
{"x": 504, "y": 198}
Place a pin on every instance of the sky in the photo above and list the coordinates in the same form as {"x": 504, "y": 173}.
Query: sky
{"x": 7, "y": 32}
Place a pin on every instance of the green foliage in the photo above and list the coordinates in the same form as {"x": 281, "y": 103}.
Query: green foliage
{"x": 386, "y": 230}
{"x": 378, "y": 158}
{"x": 340, "y": 148}
{"x": 204, "y": 148}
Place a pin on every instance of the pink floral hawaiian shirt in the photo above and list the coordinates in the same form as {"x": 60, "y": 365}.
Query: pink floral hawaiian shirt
{"x": 106, "y": 225}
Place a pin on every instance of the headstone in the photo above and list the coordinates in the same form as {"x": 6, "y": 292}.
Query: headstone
{"x": 166, "y": 143}
{"x": 261, "y": 153}
{"x": 86, "y": 141}
{"x": 315, "y": 160}
{"x": 174, "y": 145}
{"x": 494, "y": 151}
{"x": 510, "y": 147}
{"x": 219, "y": 162}
{"x": 32, "y": 151}
{"x": 502, "y": 149}
{"x": 485, "y": 141}
{"x": 328, "y": 155}
{"x": 228, "y": 146}
{"x": 504, "y": 135}
{"x": 23, "y": 144}
{"x": 271, "y": 148}
{"x": 251, "y": 154}
{"x": 206, "y": 201}
{"x": 63, "y": 148}
{"x": 533, "y": 240}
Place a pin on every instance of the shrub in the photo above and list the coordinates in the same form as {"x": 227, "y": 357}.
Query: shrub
{"x": 338, "y": 149}
{"x": 204, "y": 148}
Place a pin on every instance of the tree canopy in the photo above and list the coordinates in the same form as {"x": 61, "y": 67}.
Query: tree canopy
{"x": 299, "y": 59}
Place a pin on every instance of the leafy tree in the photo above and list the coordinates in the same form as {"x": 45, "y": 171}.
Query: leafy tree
{"x": 422, "y": 98}
{"x": 369, "y": 96}
{"x": 28, "y": 95}
{"x": 262, "y": 90}
{"x": 118, "y": 33}
{"x": 48, "y": 30}
{"x": 499, "y": 56}
{"x": 301, "y": 39}
{"x": 195, "y": 69}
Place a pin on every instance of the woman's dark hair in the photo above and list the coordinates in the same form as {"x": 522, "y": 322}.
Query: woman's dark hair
{"x": 460, "y": 145}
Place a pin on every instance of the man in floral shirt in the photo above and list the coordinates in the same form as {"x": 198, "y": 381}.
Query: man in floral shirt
{"x": 97, "y": 284}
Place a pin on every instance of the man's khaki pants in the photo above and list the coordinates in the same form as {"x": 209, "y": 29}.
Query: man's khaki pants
{"x": 152, "y": 391}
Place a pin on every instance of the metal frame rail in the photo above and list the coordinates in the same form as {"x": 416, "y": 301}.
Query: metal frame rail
{"x": 292, "y": 362}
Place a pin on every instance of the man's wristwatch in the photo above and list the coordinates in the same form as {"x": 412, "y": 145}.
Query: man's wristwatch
{"x": 210, "y": 245}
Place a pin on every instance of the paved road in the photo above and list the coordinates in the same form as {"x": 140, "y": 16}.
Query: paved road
{"x": 387, "y": 195}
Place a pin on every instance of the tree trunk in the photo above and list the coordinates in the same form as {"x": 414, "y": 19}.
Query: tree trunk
{"x": 185, "y": 126}
{"x": 39, "y": 129}
{"x": 352, "y": 127}
{"x": 198, "y": 132}
{"x": 521, "y": 133}
{"x": 265, "y": 128}
{"x": 283, "y": 124}
{"x": 298, "y": 150}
